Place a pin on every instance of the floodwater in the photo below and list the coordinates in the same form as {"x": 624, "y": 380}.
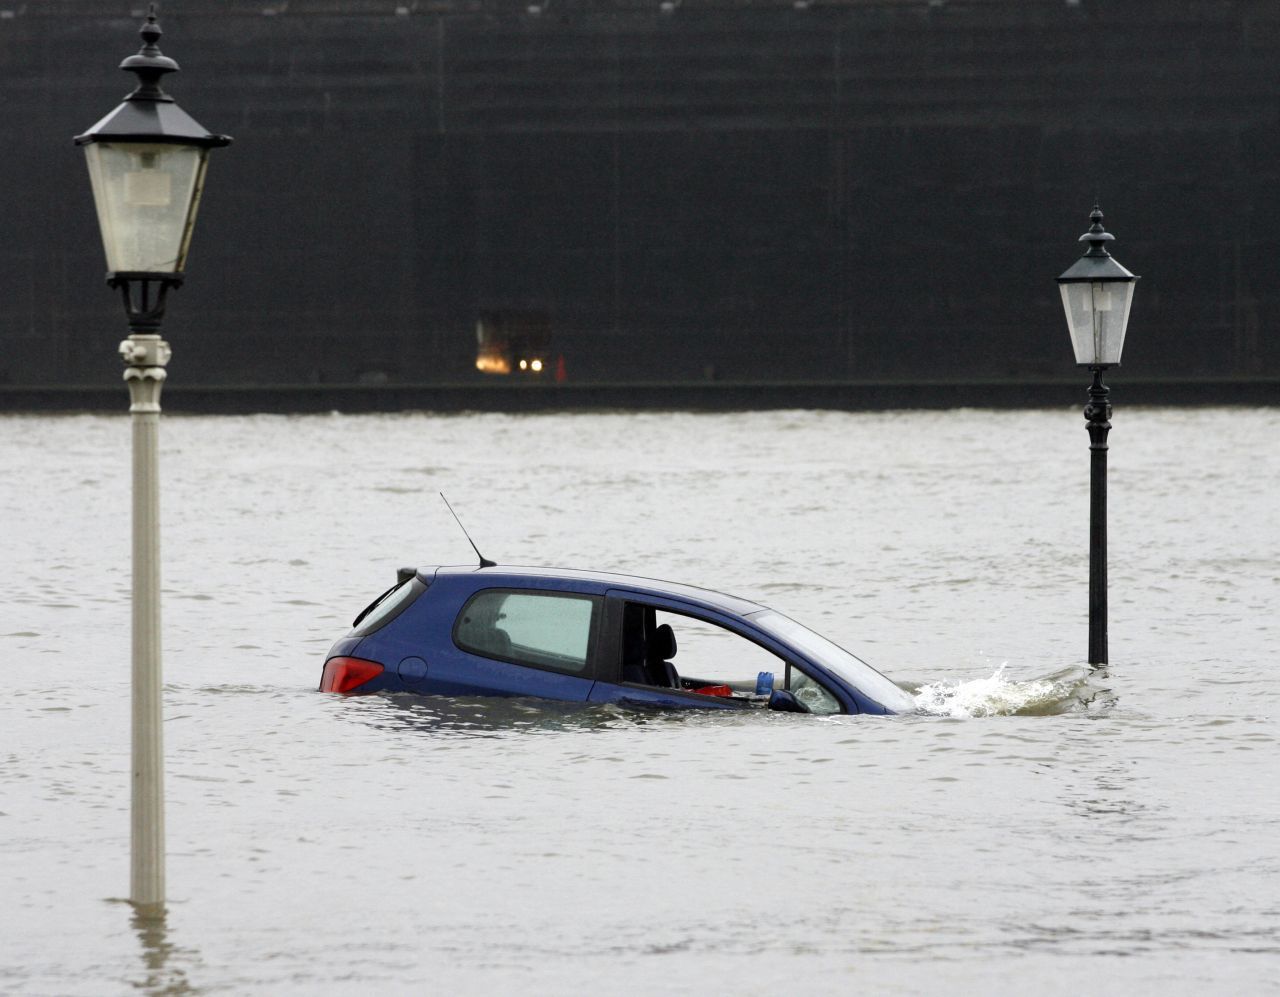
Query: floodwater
{"x": 1035, "y": 827}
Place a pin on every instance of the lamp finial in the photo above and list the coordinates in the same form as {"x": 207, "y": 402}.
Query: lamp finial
{"x": 149, "y": 65}
{"x": 1097, "y": 237}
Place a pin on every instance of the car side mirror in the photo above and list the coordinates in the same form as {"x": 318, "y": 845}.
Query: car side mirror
{"x": 786, "y": 702}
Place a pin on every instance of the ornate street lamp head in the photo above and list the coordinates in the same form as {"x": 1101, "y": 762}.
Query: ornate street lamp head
{"x": 147, "y": 161}
{"x": 1097, "y": 293}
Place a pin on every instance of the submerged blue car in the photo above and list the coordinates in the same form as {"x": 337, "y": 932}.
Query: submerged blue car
{"x": 595, "y": 637}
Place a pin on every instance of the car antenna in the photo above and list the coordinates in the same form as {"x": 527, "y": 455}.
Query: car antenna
{"x": 484, "y": 561}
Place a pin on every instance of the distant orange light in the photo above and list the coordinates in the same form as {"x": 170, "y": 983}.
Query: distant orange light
{"x": 490, "y": 364}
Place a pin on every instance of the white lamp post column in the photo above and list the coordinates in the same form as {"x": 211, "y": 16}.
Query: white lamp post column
{"x": 147, "y": 162}
{"x": 145, "y": 357}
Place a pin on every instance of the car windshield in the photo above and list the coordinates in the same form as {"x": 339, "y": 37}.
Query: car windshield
{"x": 853, "y": 670}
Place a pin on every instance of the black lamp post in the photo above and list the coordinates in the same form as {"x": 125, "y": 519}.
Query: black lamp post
{"x": 147, "y": 163}
{"x": 1097, "y": 293}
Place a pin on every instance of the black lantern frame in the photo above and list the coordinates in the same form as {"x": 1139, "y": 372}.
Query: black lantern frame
{"x": 147, "y": 124}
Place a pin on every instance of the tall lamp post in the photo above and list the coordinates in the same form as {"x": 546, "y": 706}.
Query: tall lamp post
{"x": 147, "y": 163}
{"x": 1097, "y": 293}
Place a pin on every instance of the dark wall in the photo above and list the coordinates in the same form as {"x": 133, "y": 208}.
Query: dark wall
{"x": 862, "y": 190}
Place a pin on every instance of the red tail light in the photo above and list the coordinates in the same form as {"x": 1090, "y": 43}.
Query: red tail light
{"x": 346, "y": 674}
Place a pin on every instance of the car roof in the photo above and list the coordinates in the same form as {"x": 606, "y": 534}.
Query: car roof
{"x": 599, "y": 581}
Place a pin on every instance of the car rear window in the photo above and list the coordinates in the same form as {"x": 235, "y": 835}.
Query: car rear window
{"x": 387, "y": 607}
{"x": 543, "y": 629}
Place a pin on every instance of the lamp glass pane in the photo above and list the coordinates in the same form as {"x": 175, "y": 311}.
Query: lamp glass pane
{"x": 1097, "y": 316}
{"x": 146, "y": 195}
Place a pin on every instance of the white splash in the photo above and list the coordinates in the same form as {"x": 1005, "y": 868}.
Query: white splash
{"x": 997, "y": 696}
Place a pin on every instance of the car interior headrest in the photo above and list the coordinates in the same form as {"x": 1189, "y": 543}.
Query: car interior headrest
{"x": 662, "y": 643}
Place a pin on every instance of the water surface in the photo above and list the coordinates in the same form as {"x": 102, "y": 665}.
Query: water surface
{"x": 1035, "y": 826}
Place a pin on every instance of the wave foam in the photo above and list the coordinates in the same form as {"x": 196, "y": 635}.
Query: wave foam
{"x": 998, "y": 696}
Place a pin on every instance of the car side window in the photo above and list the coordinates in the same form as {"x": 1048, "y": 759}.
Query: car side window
{"x": 670, "y": 650}
{"x": 543, "y": 629}
{"x": 674, "y": 650}
{"x": 710, "y": 652}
